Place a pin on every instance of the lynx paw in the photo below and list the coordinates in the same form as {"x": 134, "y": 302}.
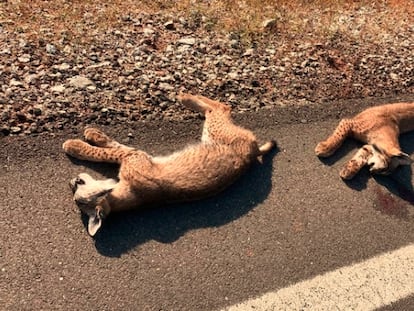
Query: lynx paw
{"x": 350, "y": 170}
{"x": 96, "y": 137}
{"x": 323, "y": 150}
{"x": 73, "y": 147}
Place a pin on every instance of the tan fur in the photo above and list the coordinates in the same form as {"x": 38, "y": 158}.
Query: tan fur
{"x": 196, "y": 172}
{"x": 378, "y": 127}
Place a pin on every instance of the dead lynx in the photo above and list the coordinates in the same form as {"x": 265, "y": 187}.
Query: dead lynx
{"x": 196, "y": 172}
{"x": 378, "y": 127}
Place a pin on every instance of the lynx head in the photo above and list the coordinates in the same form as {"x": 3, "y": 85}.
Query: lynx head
{"x": 89, "y": 195}
{"x": 382, "y": 162}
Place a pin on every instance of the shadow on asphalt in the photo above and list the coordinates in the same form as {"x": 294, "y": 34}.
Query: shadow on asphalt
{"x": 124, "y": 231}
{"x": 400, "y": 182}
{"x": 359, "y": 182}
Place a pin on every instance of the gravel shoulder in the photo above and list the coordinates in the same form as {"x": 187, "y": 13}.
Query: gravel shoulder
{"x": 134, "y": 72}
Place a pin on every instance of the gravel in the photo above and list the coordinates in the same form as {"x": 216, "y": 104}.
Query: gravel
{"x": 135, "y": 72}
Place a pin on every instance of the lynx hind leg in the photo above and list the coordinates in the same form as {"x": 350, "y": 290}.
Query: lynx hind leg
{"x": 201, "y": 103}
{"x": 333, "y": 142}
{"x": 358, "y": 161}
{"x": 98, "y": 138}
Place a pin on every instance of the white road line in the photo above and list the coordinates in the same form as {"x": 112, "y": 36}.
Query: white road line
{"x": 368, "y": 285}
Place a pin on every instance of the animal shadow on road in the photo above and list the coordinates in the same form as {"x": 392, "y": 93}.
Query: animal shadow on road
{"x": 359, "y": 182}
{"x": 400, "y": 182}
{"x": 124, "y": 231}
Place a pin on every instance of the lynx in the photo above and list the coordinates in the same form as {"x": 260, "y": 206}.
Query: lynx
{"x": 198, "y": 171}
{"x": 378, "y": 127}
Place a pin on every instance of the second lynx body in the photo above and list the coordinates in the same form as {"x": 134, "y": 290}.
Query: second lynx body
{"x": 379, "y": 127}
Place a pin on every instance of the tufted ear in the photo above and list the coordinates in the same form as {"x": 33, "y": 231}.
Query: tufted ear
{"x": 95, "y": 221}
{"x": 403, "y": 159}
{"x": 94, "y": 224}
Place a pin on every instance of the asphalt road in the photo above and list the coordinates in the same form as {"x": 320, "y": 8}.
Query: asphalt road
{"x": 284, "y": 222}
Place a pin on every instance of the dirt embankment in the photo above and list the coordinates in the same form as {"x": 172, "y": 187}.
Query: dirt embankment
{"x": 51, "y": 79}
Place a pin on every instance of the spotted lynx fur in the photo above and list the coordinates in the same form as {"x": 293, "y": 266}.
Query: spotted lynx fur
{"x": 198, "y": 171}
{"x": 379, "y": 128}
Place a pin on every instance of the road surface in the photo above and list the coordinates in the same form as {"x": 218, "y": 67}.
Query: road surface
{"x": 290, "y": 229}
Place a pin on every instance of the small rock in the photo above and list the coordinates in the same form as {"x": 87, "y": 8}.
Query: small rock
{"x": 50, "y": 48}
{"x": 80, "y": 82}
{"x": 37, "y": 111}
{"x": 62, "y": 67}
{"x": 94, "y": 105}
{"x": 58, "y": 88}
{"x": 103, "y": 64}
{"x": 91, "y": 88}
{"x": 148, "y": 31}
{"x": 234, "y": 43}
{"x": 6, "y": 50}
{"x": 269, "y": 23}
{"x": 14, "y": 82}
{"x": 67, "y": 49}
{"x": 187, "y": 41}
{"x": 255, "y": 83}
{"x": 22, "y": 43}
{"x": 233, "y": 75}
{"x": 15, "y": 129}
{"x": 30, "y": 78}
{"x": 394, "y": 76}
{"x": 169, "y": 25}
{"x": 5, "y": 130}
{"x": 126, "y": 18}
{"x": 21, "y": 117}
{"x": 165, "y": 86}
{"x": 25, "y": 58}
{"x": 249, "y": 52}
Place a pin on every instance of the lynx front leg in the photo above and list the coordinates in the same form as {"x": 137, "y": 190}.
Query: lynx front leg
{"x": 84, "y": 151}
{"x": 100, "y": 139}
{"x": 358, "y": 161}
{"x": 330, "y": 145}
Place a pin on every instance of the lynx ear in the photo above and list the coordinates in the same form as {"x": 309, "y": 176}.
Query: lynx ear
{"x": 95, "y": 222}
{"x": 400, "y": 157}
{"x": 403, "y": 159}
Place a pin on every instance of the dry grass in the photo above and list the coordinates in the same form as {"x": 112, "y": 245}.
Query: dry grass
{"x": 371, "y": 20}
